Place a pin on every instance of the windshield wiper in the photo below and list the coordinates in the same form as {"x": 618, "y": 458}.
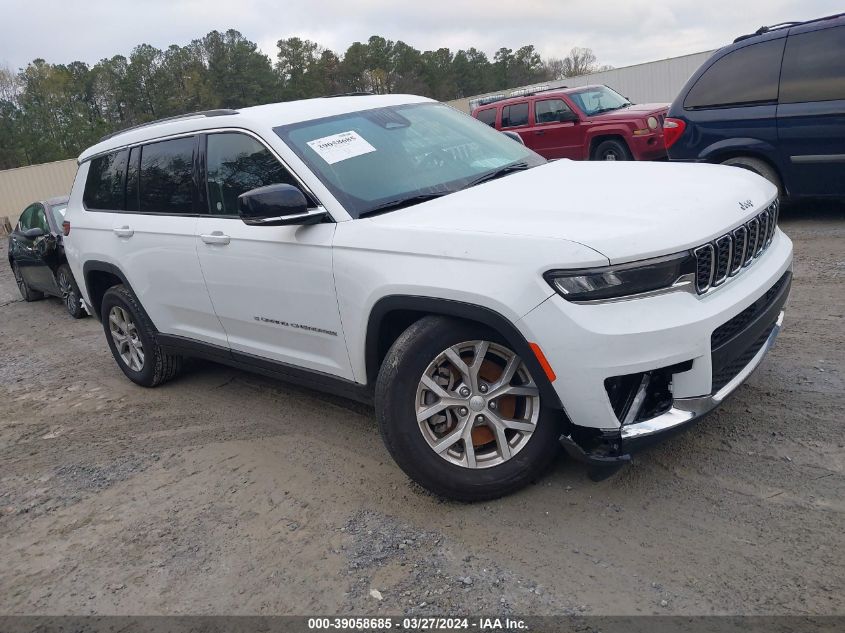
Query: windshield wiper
{"x": 498, "y": 173}
{"x": 400, "y": 203}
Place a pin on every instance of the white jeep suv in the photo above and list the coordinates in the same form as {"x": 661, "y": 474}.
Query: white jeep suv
{"x": 492, "y": 305}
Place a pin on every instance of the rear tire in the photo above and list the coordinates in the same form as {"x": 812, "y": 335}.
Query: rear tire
{"x": 131, "y": 338}
{"x": 759, "y": 167}
{"x": 612, "y": 150}
{"x": 490, "y": 471}
{"x": 71, "y": 296}
{"x": 27, "y": 293}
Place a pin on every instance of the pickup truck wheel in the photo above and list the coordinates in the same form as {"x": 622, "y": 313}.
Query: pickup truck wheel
{"x": 27, "y": 293}
{"x": 460, "y": 412}
{"x": 70, "y": 292}
{"x": 612, "y": 150}
{"x": 759, "y": 167}
{"x": 131, "y": 338}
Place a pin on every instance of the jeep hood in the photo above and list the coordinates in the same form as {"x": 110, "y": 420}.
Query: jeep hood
{"x": 638, "y": 110}
{"x": 624, "y": 210}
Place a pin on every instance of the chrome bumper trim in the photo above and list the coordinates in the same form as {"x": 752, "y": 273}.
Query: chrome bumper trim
{"x": 688, "y": 409}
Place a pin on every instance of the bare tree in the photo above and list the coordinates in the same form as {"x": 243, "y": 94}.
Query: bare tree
{"x": 579, "y": 61}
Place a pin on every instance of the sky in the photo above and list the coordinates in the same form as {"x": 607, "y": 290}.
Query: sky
{"x": 620, "y": 32}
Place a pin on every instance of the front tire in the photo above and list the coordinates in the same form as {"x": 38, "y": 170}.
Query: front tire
{"x": 27, "y": 293}
{"x": 460, "y": 413}
{"x": 612, "y": 150}
{"x": 131, "y": 338}
{"x": 70, "y": 292}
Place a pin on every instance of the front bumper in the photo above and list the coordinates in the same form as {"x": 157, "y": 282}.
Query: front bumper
{"x": 648, "y": 147}
{"x": 588, "y": 345}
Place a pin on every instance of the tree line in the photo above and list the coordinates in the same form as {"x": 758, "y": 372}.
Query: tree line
{"x": 53, "y": 111}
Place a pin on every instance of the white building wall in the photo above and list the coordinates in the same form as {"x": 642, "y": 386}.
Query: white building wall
{"x": 650, "y": 82}
{"x": 24, "y": 185}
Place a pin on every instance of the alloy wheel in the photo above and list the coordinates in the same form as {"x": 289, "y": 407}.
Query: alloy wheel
{"x": 477, "y": 405}
{"x": 68, "y": 294}
{"x": 126, "y": 339}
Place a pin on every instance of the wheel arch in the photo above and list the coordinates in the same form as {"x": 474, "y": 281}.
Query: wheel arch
{"x": 758, "y": 151}
{"x": 393, "y": 314}
{"x": 98, "y": 277}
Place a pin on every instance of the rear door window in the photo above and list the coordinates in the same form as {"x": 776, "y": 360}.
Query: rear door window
{"x": 515, "y": 115}
{"x": 487, "y": 116}
{"x": 166, "y": 181}
{"x": 745, "y": 76}
{"x": 814, "y": 67}
{"x": 104, "y": 187}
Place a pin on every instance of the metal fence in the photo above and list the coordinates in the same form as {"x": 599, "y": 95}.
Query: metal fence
{"x": 19, "y": 187}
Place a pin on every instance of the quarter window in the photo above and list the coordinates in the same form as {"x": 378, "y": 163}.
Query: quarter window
{"x": 745, "y": 76}
{"x": 814, "y": 67}
{"x": 487, "y": 116}
{"x": 238, "y": 163}
{"x": 549, "y": 110}
{"x": 166, "y": 177}
{"x": 515, "y": 115}
{"x": 105, "y": 184}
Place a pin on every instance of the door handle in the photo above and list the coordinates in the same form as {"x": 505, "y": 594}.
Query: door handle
{"x": 215, "y": 237}
{"x": 539, "y": 132}
{"x": 124, "y": 231}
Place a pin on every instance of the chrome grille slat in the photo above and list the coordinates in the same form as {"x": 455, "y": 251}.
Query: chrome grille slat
{"x": 724, "y": 253}
{"x": 725, "y": 256}
{"x": 740, "y": 240}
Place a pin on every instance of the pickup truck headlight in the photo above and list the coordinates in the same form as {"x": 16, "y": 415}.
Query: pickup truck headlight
{"x": 612, "y": 282}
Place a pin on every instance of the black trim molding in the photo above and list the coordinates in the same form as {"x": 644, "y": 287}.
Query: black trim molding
{"x": 311, "y": 379}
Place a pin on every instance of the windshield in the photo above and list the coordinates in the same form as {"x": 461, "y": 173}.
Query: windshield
{"x": 374, "y": 158}
{"x": 599, "y": 99}
{"x": 58, "y": 214}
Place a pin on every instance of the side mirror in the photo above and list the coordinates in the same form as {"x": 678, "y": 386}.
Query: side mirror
{"x": 277, "y": 205}
{"x": 567, "y": 116}
{"x": 34, "y": 232}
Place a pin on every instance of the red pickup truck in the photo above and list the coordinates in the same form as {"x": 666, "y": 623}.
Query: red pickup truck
{"x": 586, "y": 123}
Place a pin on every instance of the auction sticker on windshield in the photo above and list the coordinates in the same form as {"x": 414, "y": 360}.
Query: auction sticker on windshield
{"x": 338, "y": 147}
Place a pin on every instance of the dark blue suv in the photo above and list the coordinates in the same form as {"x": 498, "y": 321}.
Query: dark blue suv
{"x": 772, "y": 102}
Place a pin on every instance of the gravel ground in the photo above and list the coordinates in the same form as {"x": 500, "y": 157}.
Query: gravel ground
{"x": 225, "y": 492}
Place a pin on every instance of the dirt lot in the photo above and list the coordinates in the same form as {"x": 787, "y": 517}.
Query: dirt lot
{"x": 225, "y": 492}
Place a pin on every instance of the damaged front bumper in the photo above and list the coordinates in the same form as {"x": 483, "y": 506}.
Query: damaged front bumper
{"x": 613, "y": 448}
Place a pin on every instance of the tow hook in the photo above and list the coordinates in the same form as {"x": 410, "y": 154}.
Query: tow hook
{"x": 600, "y": 467}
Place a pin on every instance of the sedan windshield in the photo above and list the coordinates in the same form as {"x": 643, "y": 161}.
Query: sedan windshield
{"x": 382, "y": 159}
{"x": 598, "y": 99}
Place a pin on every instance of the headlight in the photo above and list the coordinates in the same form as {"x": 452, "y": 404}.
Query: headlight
{"x": 611, "y": 282}
{"x": 652, "y": 122}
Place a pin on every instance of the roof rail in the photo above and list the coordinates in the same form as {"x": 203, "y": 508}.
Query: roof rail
{"x": 516, "y": 92}
{"x": 187, "y": 115}
{"x": 785, "y": 25}
{"x": 349, "y": 94}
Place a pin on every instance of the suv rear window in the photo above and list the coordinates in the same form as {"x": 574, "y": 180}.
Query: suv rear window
{"x": 104, "y": 187}
{"x": 166, "y": 182}
{"x": 814, "y": 67}
{"x": 515, "y": 115}
{"x": 744, "y": 76}
{"x": 487, "y": 116}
